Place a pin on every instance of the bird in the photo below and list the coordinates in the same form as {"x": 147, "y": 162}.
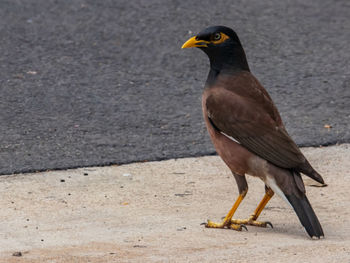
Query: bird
{"x": 247, "y": 132}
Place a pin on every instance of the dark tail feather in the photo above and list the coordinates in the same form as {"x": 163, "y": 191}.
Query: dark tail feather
{"x": 307, "y": 169}
{"x": 316, "y": 176}
{"x": 306, "y": 215}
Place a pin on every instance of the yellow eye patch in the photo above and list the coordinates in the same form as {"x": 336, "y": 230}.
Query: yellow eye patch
{"x": 222, "y": 39}
{"x": 195, "y": 41}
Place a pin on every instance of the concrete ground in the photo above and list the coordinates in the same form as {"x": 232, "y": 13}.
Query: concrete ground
{"x": 152, "y": 211}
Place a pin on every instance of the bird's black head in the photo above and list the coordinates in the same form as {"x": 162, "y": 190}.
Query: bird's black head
{"x": 222, "y": 46}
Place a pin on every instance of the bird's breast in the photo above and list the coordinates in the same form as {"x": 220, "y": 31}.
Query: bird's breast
{"x": 235, "y": 156}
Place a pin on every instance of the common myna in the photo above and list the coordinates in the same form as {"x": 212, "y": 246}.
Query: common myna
{"x": 248, "y": 133}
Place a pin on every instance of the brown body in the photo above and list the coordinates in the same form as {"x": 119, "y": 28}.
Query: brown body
{"x": 235, "y": 90}
{"x": 235, "y": 156}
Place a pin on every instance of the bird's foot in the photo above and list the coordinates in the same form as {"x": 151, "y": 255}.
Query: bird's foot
{"x": 252, "y": 222}
{"x": 226, "y": 224}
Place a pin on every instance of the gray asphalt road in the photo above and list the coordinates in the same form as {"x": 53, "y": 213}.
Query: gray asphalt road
{"x": 99, "y": 82}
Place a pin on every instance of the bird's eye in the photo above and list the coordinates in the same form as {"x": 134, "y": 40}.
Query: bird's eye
{"x": 217, "y": 36}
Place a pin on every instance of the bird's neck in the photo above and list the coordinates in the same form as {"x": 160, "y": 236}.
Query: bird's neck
{"x": 227, "y": 63}
{"x": 212, "y": 76}
{"x": 233, "y": 59}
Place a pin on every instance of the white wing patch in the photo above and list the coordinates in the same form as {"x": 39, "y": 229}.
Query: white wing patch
{"x": 230, "y": 137}
{"x": 270, "y": 182}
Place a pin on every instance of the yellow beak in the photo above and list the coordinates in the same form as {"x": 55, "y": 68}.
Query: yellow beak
{"x": 193, "y": 42}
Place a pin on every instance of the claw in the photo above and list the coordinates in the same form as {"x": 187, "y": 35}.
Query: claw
{"x": 236, "y": 227}
{"x": 269, "y": 223}
{"x": 244, "y": 226}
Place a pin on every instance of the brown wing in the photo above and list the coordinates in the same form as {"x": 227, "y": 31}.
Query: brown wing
{"x": 242, "y": 109}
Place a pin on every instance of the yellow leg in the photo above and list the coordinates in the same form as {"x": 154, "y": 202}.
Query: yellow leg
{"x": 227, "y": 222}
{"x": 252, "y": 219}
